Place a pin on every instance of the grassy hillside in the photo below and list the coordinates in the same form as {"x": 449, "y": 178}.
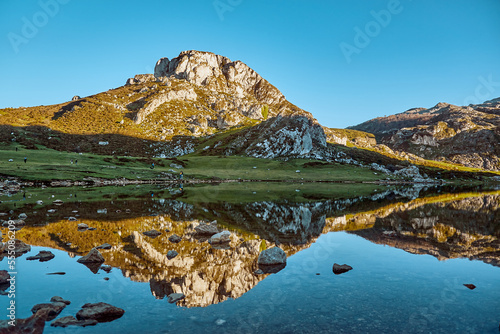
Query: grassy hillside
{"x": 48, "y": 164}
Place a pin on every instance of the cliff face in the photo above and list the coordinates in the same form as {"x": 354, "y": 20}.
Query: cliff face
{"x": 464, "y": 135}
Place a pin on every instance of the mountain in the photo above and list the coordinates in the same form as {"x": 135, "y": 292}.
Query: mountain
{"x": 207, "y": 104}
{"x": 463, "y": 135}
{"x": 194, "y": 95}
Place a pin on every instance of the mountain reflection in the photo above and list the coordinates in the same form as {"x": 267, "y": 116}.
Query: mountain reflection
{"x": 465, "y": 225}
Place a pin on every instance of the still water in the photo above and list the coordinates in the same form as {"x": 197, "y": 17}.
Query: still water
{"x": 411, "y": 250}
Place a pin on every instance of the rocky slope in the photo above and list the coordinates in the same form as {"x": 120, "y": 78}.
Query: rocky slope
{"x": 463, "y": 135}
{"x": 196, "y": 94}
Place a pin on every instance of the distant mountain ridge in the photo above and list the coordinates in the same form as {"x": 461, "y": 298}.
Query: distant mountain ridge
{"x": 468, "y": 135}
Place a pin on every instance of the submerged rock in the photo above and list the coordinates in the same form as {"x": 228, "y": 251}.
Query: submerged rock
{"x": 271, "y": 256}
{"x": 43, "y": 256}
{"x": 82, "y": 226}
{"x": 60, "y": 300}
{"x": 175, "y": 297}
{"x": 470, "y": 286}
{"x": 171, "y": 254}
{"x": 152, "y": 233}
{"x": 19, "y": 247}
{"x": 92, "y": 257}
{"x": 207, "y": 229}
{"x": 340, "y": 269}
{"x": 32, "y": 325}
{"x": 102, "y": 312}
{"x": 52, "y": 309}
{"x": 72, "y": 321}
{"x": 4, "y": 276}
{"x": 104, "y": 246}
{"x": 221, "y": 237}
{"x": 175, "y": 239}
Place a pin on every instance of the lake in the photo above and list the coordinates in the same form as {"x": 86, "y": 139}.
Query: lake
{"x": 411, "y": 251}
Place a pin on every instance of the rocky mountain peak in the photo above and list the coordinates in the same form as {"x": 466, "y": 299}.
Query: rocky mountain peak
{"x": 218, "y": 73}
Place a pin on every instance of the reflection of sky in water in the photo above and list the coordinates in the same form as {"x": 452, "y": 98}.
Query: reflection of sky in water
{"x": 388, "y": 291}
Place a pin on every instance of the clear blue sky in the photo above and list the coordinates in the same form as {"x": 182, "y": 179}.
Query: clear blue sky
{"x": 425, "y": 52}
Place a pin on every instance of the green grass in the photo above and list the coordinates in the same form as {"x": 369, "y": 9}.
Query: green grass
{"x": 248, "y": 192}
{"x": 237, "y": 167}
{"x": 47, "y": 164}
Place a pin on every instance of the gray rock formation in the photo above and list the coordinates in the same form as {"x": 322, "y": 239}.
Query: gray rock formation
{"x": 466, "y": 135}
{"x": 52, "y": 309}
{"x": 152, "y": 233}
{"x": 271, "y": 256}
{"x": 92, "y": 257}
{"x": 43, "y": 256}
{"x": 102, "y": 312}
{"x": 221, "y": 237}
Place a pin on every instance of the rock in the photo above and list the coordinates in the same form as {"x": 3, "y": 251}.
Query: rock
{"x": 281, "y": 136}
{"x": 4, "y": 276}
{"x": 139, "y": 79}
{"x": 32, "y": 325}
{"x": 53, "y": 309}
{"x": 19, "y": 247}
{"x": 75, "y": 98}
{"x": 175, "y": 239}
{"x": 58, "y": 299}
{"x": 102, "y": 312}
{"x": 39, "y": 202}
{"x": 92, "y": 257}
{"x": 72, "y": 321}
{"x": 470, "y": 286}
{"x": 82, "y": 226}
{"x": 173, "y": 165}
{"x": 171, "y": 254}
{"x": 340, "y": 269}
{"x": 271, "y": 256}
{"x": 152, "y": 233}
{"x": 175, "y": 297}
{"x": 23, "y": 216}
{"x": 207, "y": 229}
{"x": 42, "y": 256}
{"x": 91, "y": 229}
{"x": 58, "y": 202}
{"x": 221, "y": 237}
{"x": 104, "y": 246}
{"x": 106, "y": 268}
{"x": 73, "y": 219}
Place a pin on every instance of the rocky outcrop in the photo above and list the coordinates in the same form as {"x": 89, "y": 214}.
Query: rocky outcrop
{"x": 281, "y": 136}
{"x": 463, "y": 135}
{"x": 220, "y": 74}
